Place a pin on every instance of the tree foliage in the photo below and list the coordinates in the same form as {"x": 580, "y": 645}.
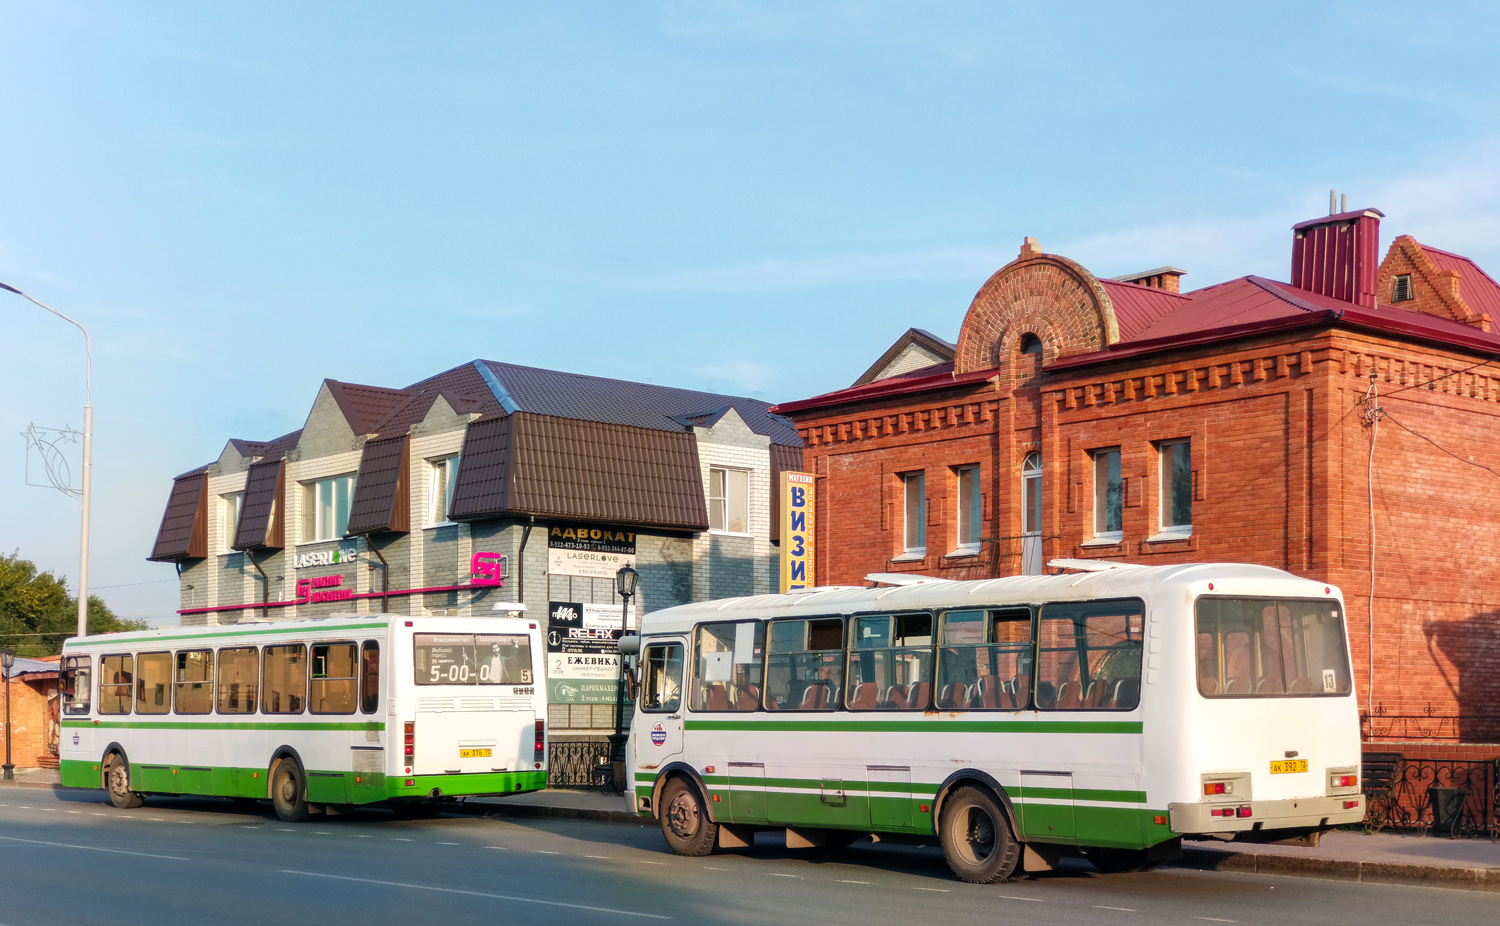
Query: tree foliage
{"x": 34, "y": 602}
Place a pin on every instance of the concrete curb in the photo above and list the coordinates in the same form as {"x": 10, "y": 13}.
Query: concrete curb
{"x": 1258, "y": 863}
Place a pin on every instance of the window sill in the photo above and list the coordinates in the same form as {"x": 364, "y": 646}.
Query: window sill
{"x": 911, "y": 556}
{"x": 1110, "y": 539}
{"x": 728, "y": 533}
{"x": 440, "y": 525}
{"x": 1171, "y": 534}
{"x": 963, "y": 552}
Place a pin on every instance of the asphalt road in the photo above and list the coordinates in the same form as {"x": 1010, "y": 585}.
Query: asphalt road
{"x": 66, "y": 858}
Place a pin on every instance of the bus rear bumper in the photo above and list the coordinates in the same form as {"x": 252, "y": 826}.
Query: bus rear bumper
{"x": 1300, "y": 813}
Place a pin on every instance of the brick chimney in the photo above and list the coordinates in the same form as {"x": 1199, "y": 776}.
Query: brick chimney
{"x": 1339, "y": 256}
{"x": 1167, "y": 278}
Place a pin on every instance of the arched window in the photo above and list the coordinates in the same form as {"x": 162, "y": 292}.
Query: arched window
{"x": 1030, "y": 344}
{"x": 1031, "y": 515}
{"x": 1031, "y": 350}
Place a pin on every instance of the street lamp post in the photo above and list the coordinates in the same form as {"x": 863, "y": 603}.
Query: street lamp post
{"x": 625, "y": 582}
{"x": 88, "y": 453}
{"x": 8, "y": 659}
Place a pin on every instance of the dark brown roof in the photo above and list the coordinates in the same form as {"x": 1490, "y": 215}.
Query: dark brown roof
{"x": 263, "y": 514}
{"x": 783, "y": 459}
{"x": 542, "y": 465}
{"x": 184, "y": 526}
{"x": 249, "y": 448}
{"x": 382, "y": 490}
{"x": 917, "y": 336}
{"x": 367, "y": 408}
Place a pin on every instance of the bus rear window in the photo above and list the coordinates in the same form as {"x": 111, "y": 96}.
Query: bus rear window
{"x": 1262, "y": 648}
{"x": 472, "y": 659}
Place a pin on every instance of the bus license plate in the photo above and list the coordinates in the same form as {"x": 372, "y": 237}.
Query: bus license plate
{"x": 1288, "y": 767}
{"x": 486, "y": 753}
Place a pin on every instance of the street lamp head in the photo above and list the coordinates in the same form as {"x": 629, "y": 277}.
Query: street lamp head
{"x": 625, "y": 581}
{"x": 7, "y": 658}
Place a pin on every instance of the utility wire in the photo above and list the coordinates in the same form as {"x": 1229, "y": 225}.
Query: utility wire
{"x": 1434, "y": 443}
{"x": 1440, "y": 378}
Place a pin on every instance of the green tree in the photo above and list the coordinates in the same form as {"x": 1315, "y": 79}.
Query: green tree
{"x": 34, "y": 602}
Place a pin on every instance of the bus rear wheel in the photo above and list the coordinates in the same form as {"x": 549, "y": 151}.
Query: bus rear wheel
{"x": 685, "y": 822}
{"x": 977, "y": 840}
{"x": 289, "y": 791}
{"x": 117, "y": 783}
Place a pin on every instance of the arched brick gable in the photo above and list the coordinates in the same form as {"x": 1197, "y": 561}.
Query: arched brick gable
{"x": 1044, "y": 294}
{"x": 1435, "y": 291}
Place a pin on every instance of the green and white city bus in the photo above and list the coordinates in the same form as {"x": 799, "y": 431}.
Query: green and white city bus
{"x": 1107, "y": 711}
{"x": 308, "y": 713}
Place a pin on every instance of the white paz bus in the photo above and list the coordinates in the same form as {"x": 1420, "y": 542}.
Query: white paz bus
{"x": 308, "y": 713}
{"x": 1108, "y": 711}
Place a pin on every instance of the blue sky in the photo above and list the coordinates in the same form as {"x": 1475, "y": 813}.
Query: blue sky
{"x": 239, "y": 200}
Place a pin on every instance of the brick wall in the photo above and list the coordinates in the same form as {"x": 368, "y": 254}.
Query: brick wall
{"x": 29, "y": 707}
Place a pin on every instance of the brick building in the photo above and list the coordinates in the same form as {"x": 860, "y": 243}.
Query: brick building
{"x": 33, "y": 729}
{"x": 417, "y": 500}
{"x": 1342, "y": 426}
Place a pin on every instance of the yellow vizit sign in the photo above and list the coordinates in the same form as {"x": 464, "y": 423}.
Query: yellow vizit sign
{"x": 797, "y": 550}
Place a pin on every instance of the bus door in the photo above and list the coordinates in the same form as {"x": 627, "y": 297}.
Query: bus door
{"x": 1047, "y": 805}
{"x": 659, "y": 740}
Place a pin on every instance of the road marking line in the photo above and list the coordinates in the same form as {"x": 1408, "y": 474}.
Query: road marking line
{"x": 48, "y": 809}
{"x": 712, "y": 868}
{"x": 506, "y": 849}
{"x": 1214, "y": 919}
{"x": 451, "y": 890}
{"x": 97, "y": 814}
{"x": 645, "y": 861}
{"x": 605, "y": 857}
{"x": 1121, "y": 909}
{"x": 321, "y": 833}
{"x": 775, "y": 874}
{"x": 399, "y": 839}
{"x": 64, "y": 845}
{"x": 73, "y": 811}
{"x": 358, "y": 836}
{"x": 447, "y": 843}
{"x": 842, "y": 881}
{"x": 544, "y": 852}
{"x": 936, "y": 890}
{"x": 1027, "y": 899}
{"x": 280, "y": 830}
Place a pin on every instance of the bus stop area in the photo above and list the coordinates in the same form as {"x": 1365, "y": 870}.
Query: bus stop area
{"x": 1383, "y": 857}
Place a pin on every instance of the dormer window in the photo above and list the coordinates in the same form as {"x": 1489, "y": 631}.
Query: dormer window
{"x": 1401, "y": 291}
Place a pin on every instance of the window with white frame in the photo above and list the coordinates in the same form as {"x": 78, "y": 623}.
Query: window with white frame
{"x": 728, "y": 500}
{"x": 915, "y": 486}
{"x": 1109, "y": 496}
{"x": 231, "y": 505}
{"x": 325, "y": 508}
{"x": 442, "y": 476}
{"x": 970, "y": 504}
{"x": 1176, "y": 487}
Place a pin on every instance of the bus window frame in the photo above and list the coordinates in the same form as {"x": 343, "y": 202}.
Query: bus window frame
{"x": 313, "y": 678}
{"x": 851, "y": 651}
{"x": 1028, "y": 650}
{"x": 169, "y": 687}
{"x": 369, "y": 701}
{"x": 682, "y": 673}
{"x": 1334, "y": 603}
{"x": 1080, "y": 651}
{"x": 212, "y": 682}
{"x": 695, "y": 683}
{"x": 836, "y": 703}
{"x": 219, "y": 683}
{"x": 265, "y": 689}
{"x": 68, "y": 667}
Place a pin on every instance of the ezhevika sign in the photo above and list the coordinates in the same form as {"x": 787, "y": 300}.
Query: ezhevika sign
{"x": 591, "y": 552}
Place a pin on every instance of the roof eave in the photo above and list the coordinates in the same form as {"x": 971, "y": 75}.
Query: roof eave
{"x": 882, "y": 388}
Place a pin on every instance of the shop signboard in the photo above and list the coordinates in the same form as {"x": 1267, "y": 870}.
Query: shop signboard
{"x": 798, "y": 553}
{"x": 589, "y": 551}
{"x": 583, "y": 655}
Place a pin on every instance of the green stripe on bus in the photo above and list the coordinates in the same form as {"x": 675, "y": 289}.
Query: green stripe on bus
{"x": 920, "y": 726}
{"x": 858, "y": 786}
{"x": 188, "y": 725}
{"x": 125, "y": 638}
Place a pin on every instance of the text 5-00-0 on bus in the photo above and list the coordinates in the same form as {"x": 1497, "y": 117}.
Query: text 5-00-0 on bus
{"x": 1108, "y": 712}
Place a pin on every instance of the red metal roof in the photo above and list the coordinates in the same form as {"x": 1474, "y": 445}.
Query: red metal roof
{"x": 1476, "y": 287}
{"x": 1137, "y": 306}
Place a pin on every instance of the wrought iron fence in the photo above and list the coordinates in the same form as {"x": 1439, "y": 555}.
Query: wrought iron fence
{"x": 579, "y": 764}
{"x": 1430, "y": 725}
{"x": 1444, "y": 797}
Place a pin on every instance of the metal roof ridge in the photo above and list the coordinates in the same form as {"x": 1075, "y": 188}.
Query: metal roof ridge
{"x": 1275, "y": 288}
{"x": 497, "y": 388}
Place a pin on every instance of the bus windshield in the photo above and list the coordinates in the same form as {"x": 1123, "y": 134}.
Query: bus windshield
{"x": 472, "y": 659}
{"x": 1263, "y": 648}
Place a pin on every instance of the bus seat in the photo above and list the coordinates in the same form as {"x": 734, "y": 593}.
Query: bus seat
{"x": 715, "y": 698}
{"x": 986, "y": 692}
{"x": 1299, "y": 686}
{"x": 954, "y": 698}
{"x": 1095, "y": 694}
{"x": 896, "y": 696}
{"x": 1046, "y": 695}
{"x": 748, "y": 699}
{"x": 1127, "y": 694}
{"x": 1067, "y": 696}
{"x": 1020, "y": 692}
{"x": 866, "y": 697}
{"x": 815, "y": 698}
{"x": 921, "y": 695}
{"x": 1236, "y": 686}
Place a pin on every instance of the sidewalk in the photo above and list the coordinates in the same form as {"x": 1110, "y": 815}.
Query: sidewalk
{"x": 1386, "y": 858}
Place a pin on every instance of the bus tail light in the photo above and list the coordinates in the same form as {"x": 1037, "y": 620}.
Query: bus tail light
{"x": 1242, "y": 812}
{"x": 1350, "y": 805}
{"x": 1219, "y": 787}
{"x": 1345, "y": 781}
{"x": 541, "y": 742}
{"x": 411, "y": 741}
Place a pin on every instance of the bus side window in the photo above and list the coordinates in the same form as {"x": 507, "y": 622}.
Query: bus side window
{"x": 890, "y": 662}
{"x": 661, "y": 678}
{"x": 239, "y": 670}
{"x": 153, "y": 677}
{"x": 1089, "y": 656}
{"x": 77, "y": 680}
{"x": 333, "y": 678}
{"x": 369, "y": 677}
{"x": 984, "y": 660}
{"x": 805, "y": 665}
{"x": 195, "y": 680}
{"x": 283, "y": 679}
{"x": 727, "y": 666}
{"x": 116, "y": 681}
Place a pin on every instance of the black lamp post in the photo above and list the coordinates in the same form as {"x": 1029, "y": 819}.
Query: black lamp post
{"x": 8, "y": 659}
{"x": 625, "y": 582}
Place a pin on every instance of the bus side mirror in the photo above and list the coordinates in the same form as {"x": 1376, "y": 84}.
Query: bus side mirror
{"x": 630, "y": 683}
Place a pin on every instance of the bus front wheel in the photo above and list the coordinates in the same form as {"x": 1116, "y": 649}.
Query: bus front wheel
{"x": 289, "y": 791}
{"x": 117, "y": 782}
{"x": 684, "y": 820}
{"x": 977, "y": 840}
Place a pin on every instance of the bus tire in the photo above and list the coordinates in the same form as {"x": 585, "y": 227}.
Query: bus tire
{"x": 976, "y": 837}
{"x": 289, "y": 791}
{"x": 684, "y": 820}
{"x": 117, "y": 784}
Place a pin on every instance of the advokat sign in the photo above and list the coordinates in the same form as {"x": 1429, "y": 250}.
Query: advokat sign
{"x": 591, "y": 552}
